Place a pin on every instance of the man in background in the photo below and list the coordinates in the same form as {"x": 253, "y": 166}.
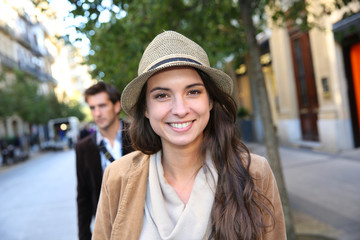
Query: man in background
{"x": 97, "y": 150}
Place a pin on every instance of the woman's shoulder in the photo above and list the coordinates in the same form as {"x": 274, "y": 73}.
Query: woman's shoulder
{"x": 260, "y": 168}
{"x": 128, "y": 164}
{"x": 258, "y": 162}
{"x": 261, "y": 172}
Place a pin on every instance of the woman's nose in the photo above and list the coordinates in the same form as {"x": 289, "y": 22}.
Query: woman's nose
{"x": 180, "y": 106}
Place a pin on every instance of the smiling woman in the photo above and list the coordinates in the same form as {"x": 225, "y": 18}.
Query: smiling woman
{"x": 191, "y": 178}
{"x": 178, "y": 106}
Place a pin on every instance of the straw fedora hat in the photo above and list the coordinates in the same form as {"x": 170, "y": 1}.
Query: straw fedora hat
{"x": 170, "y": 49}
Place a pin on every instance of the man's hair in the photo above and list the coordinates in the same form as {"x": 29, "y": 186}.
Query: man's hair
{"x": 113, "y": 93}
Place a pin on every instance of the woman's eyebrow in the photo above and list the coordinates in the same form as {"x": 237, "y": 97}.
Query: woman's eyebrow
{"x": 159, "y": 88}
{"x": 168, "y": 89}
{"x": 195, "y": 85}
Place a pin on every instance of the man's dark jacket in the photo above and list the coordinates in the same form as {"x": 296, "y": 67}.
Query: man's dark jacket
{"x": 89, "y": 176}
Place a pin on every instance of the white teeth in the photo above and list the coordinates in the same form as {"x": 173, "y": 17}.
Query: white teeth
{"x": 180, "y": 125}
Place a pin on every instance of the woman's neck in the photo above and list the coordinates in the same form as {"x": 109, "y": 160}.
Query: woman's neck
{"x": 180, "y": 169}
{"x": 180, "y": 163}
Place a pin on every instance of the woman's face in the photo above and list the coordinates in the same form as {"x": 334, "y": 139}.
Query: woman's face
{"x": 178, "y": 106}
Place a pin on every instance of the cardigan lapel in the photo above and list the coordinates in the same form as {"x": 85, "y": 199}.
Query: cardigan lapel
{"x": 129, "y": 217}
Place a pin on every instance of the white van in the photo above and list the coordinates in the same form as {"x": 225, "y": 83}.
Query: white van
{"x": 63, "y": 133}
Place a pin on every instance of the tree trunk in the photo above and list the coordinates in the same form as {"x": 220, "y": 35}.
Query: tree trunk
{"x": 256, "y": 75}
{"x": 230, "y": 70}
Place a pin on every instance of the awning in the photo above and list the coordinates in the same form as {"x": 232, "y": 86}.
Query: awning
{"x": 347, "y": 27}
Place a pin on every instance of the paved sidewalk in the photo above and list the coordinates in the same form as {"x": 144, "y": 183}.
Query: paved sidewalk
{"x": 38, "y": 198}
{"x": 32, "y": 155}
{"x": 323, "y": 190}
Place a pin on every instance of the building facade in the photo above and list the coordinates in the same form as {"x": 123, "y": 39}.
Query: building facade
{"x": 29, "y": 44}
{"x": 312, "y": 80}
{"x": 318, "y": 82}
{"x": 22, "y": 48}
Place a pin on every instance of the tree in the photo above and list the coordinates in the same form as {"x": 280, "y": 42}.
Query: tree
{"x": 117, "y": 45}
{"x": 5, "y": 100}
{"x": 296, "y": 15}
{"x": 257, "y": 77}
{"x": 21, "y": 96}
{"x": 30, "y": 106}
{"x": 223, "y": 28}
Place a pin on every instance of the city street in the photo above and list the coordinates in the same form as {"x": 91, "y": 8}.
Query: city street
{"x": 289, "y": 69}
{"x": 37, "y": 199}
{"x": 324, "y": 187}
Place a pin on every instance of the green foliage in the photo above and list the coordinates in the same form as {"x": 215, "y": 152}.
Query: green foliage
{"x": 297, "y": 13}
{"x": 73, "y": 108}
{"x": 243, "y": 113}
{"x": 21, "y": 96}
{"x": 117, "y": 45}
{"x": 5, "y": 100}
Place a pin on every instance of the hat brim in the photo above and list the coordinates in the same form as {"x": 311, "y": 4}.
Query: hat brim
{"x": 131, "y": 92}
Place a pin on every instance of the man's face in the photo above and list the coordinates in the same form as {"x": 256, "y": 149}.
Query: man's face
{"x": 103, "y": 111}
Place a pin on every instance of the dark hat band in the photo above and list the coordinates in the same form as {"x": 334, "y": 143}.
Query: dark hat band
{"x": 176, "y": 59}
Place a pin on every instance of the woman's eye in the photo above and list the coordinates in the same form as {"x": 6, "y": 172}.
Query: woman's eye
{"x": 194, "y": 92}
{"x": 160, "y": 96}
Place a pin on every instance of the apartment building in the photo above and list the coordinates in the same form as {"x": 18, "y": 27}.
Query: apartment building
{"x": 313, "y": 81}
{"x": 317, "y": 75}
{"x": 23, "y": 48}
{"x": 29, "y": 43}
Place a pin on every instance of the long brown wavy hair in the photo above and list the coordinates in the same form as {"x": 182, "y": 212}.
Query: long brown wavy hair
{"x": 239, "y": 210}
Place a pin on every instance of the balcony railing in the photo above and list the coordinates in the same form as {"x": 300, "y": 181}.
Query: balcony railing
{"x": 23, "y": 39}
{"x": 7, "y": 61}
{"x": 36, "y": 72}
{"x": 28, "y": 68}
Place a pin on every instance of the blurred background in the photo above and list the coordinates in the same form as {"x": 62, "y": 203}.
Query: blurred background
{"x": 296, "y": 71}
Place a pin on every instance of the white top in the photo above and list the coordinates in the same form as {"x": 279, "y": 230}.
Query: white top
{"x": 166, "y": 216}
{"x": 115, "y": 151}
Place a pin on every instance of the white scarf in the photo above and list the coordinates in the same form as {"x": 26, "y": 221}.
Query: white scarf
{"x": 166, "y": 217}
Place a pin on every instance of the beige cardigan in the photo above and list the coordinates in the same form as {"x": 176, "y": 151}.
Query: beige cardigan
{"x": 121, "y": 205}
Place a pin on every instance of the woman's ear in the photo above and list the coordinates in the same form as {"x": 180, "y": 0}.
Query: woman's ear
{"x": 146, "y": 113}
{"x": 211, "y": 104}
